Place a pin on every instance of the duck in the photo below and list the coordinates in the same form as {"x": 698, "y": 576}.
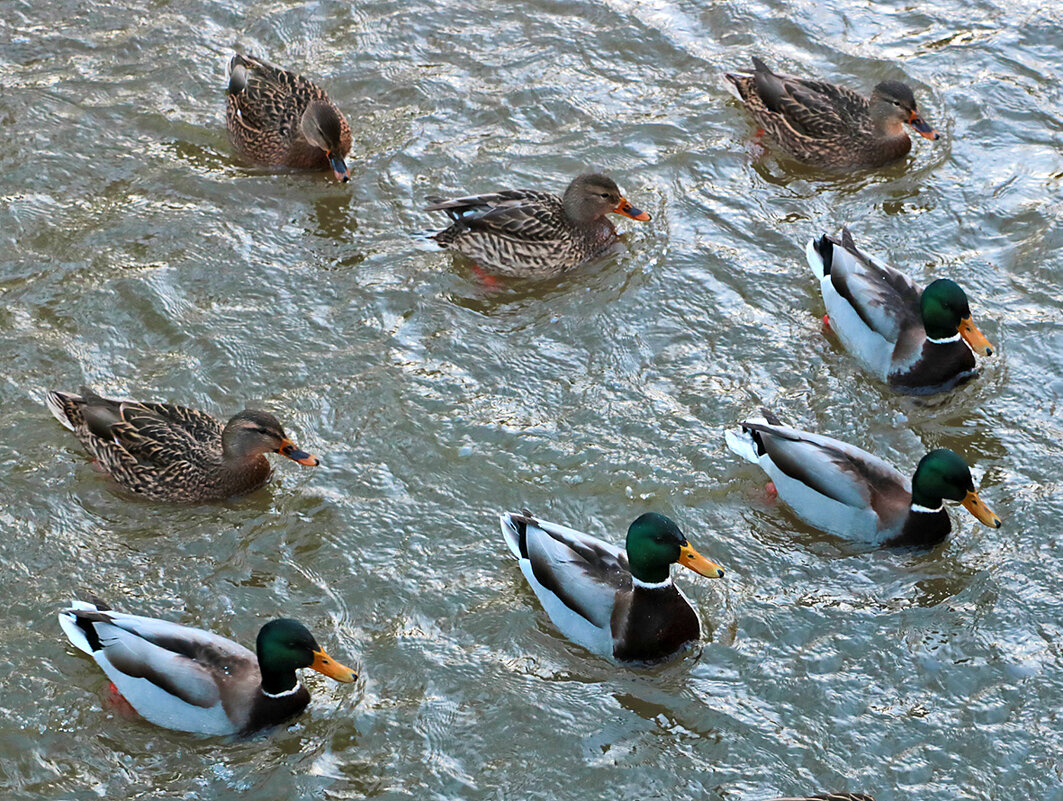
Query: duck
{"x": 848, "y": 492}
{"x": 276, "y": 117}
{"x": 829, "y": 126}
{"x": 192, "y": 680}
{"x": 615, "y": 603}
{"x": 172, "y": 453}
{"x": 907, "y": 336}
{"x": 525, "y": 233}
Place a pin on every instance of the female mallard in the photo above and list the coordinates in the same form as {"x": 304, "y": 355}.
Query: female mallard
{"x": 277, "y": 117}
{"x": 612, "y": 602}
{"x": 825, "y": 125}
{"x": 171, "y": 453}
{"x": 848, "y": 492}
{"x": 907, "y": 336}
{"x": 191, "y": 680}
{"x": 524, "y": 233}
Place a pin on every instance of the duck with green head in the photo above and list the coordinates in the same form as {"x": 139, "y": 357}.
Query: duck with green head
{"x": 191, "y": 680}
{"x": 910, "y": 337}
{"x": 850, "y": 493}
{"x": 617, "y": 603}
{"x": 829, "y": 126}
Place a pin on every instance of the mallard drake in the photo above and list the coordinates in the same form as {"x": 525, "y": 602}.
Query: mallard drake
{"x": 524, "y": 233}
{"x": 907, "y": 336}
{"x": 172, "y": 453}
{"x": 846, "y": 491}
{"x": 192, "y": 680}
{"x": 277, "y": 117}
{"x": 830, "y": 126}
{"x": 615, "y": 603}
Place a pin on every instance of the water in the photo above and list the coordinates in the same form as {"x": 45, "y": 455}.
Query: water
{"x": 139, "y": 256}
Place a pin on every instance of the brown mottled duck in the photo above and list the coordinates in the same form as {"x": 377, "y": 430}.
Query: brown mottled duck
{"x": 276, "y": 117}
{"x": 829, "y": 126}
{"x": 172, "y": 453}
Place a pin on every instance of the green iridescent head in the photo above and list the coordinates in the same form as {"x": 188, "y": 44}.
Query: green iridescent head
{"x": 946, "y": 312}
{"x": 655, "y": 543}
{"x": 285, "y": 645}
{"x": 943, "y": 475}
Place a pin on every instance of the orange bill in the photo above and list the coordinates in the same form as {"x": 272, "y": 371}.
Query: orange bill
{"x": 625, "y": 209}
{"x": 323, "y": 663}
{"x": 693, "y": 560}
{"x": 289, "y": 449}
{"x": 921, "y": 125}
{"x": 975, "y": 338}
{"x": 973, "y": 504}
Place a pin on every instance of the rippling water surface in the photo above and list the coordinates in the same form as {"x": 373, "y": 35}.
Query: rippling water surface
{"x": 139, "y": 256}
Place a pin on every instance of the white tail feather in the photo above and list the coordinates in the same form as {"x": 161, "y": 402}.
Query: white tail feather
{"x": 510, "y": 533}
{"x": 741, "y": 442}
{"x": 71, "y": 628}
{"x": 53, "y": 400}
{"x": 815, "y": 261}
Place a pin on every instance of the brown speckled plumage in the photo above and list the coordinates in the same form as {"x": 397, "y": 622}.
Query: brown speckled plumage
{"x": 265, "y": 113}
{"x": 829, "y": 126}
{"x": 524, "y": 233}
{"x": 172, "y": 453}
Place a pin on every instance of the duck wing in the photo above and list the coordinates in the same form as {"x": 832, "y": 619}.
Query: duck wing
{"x": 174, "y": 676}
{"x": 575, "y": 576}
{"x": 885, "y": 299}
{"x": 158, "y": 435}
{"x": 270, "y": 100}
{"x": 810, "y": 108}
{"x": 517, "y": 214}
{"x": 835, "y": 469}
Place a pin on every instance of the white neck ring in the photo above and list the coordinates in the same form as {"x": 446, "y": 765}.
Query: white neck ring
{"x": 652, "y": 585}
{"x": 926, "y": 509}
{"x": 284, "y": 694}
{"x": 954, "y": 338}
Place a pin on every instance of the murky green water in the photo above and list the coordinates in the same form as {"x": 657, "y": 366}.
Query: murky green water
{"x": 138, "y": 256}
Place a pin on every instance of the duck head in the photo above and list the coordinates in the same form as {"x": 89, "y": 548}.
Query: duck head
{"x": 284, "y": 646}
{"x": 252, "y": 433}
{"x": 592, "y": 196}
{"x": 942, "y": 475}
{"x": 655, "y": 543}
{"x": 322, "y": 128}
{"x": 893, "y": 105}
{"x": 946, "y": 313}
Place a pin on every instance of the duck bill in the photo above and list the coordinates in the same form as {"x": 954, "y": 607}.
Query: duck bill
{"x": 625, "y": 209}
{"x": 323, "y": 663}
{"x": 973, "y": 504}
{"x": 921, "y": 126}
{"x": 339, "y": 168}
{"x": 288, "y": 449}
{"x": 691, "y": 559}
{"x": 975, "y": 338}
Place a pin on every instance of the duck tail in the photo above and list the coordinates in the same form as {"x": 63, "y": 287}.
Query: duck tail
{"x": 58, "y": 403}
{"x": 819, "y": 253}
{"x": 741, "y": 443}
{"x": 515, "y": 531}
{"x": 743, "y": 440}
{"x": 79, "y": 632}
